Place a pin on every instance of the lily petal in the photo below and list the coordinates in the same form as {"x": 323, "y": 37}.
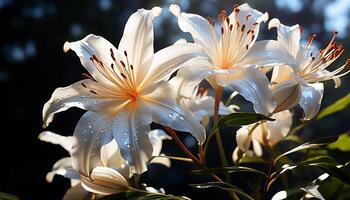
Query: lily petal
{"x": 94, "y": 45}
{"x": 104, "y": 181}
{"x": 138, "y": 38}
{"x": 279, "y": 128}
{"x": 110, "y": 155}
{"x": 165, "y": 111}
{"x": 255, "y": 17}
{"x": 267, "y": 53}
{"x": 92, "y": 131}
{"x": 65, "y": 141}
{"x": 310, "y": 101}
{"x": 252, "y": 84}
{"x": 130, "y": 129}
{"x": 243, "y": 139}
{"x": 169, "y": 59}
{"x": 83, "y": 94}
{"x": 281, "y": 73}
{"x": 289, "y": 36}
{"x": 197, "y": 26}
{"x": 286, "y": 94}
{"x": 156, "y": 137}
{"x": 64, "y": 168}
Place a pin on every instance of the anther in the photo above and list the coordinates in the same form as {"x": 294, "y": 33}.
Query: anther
{"x": 131, "y": 67}
{"x": 93, "y": 92}
{"x": 243, "y": 27}
{"x": 126, "y": 55}
{"x": 228, "y": 21}
{"x": 222, "y": 30}
{"x": 123, "y": 75}
{"x": 122, "y": 63}
{"x": 83, "y": 84}
{"x": 112, "y": 54}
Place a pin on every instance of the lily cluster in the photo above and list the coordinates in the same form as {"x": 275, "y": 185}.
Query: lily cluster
{"x": 130, "y": 86}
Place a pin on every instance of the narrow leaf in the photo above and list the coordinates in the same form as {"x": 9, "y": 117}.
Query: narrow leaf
{"x": 308, "y": 145}
{"x": 339, "y": 105}
{"x": 343, "y": 143}
{"x": 224, "y": 186}
{"x": 225, "y": 170}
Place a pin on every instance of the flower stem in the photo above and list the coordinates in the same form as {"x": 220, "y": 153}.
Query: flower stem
{"x": 195, "y": 160}
{"x": 181, "y": 145}
{"x": 263, "y": 192}
{"x": 218, "y": 94}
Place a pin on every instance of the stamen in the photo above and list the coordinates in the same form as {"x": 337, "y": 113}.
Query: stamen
{"x": 222, "y": 30}
{"x": 243, "y": 27}
{"x": 123, "y": 75}
{"x": 112, "y": 54}
{"x": 85, "y": 75}
{"x": 123, "y": 64}
{"x": 93, "y": 92}
{"x": 83, "y": 84}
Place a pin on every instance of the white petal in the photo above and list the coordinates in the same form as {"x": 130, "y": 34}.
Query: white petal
{"x": 65, "y": 141}
{"x": 235, "y": 155}
{"x": 289, "y": 36}
{"x": 156, "y": 137}
{"x": 94, "y": 45}
{"x": 64, "y": 168}
{"x": 252, "y": 84}
{"x": 110, "y": 155}
{"x": 204, "y": 107}
{"x": 138, "y": 38}
{"x": 162, "y": 160}
{"x": 310, "y": 101}
{"x": 169, "y": 59}
{"x": 83, "y": 94}
{"x": 267, "y": 53}
{"x": 76, "y": 193}
{"x": 286, "y": 94}
{"x": 191, "y": 74}
{"x": 281, "y": 73}
{"x": 243, "y": 139}
{"x": 92, "y": 131}
{"x": 255, "y": 16}
{"x": 257, "y": 148}
{"x": 166, "y": 112}
{"x": 104, "y": 181}
{"x": 130, "y": 129}
{"x": 196, "y": 25}
{"x": 278, "y": 129}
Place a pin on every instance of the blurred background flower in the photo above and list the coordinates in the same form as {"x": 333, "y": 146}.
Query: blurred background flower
{"x": 32, "y": 65}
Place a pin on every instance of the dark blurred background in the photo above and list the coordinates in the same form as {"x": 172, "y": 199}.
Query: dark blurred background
{"x": 32, "y": 65}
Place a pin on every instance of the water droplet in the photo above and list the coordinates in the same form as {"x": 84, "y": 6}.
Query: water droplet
{"x": 127, "y": 145}
{"x": 97, "y": 138}
{"x": 181, "y": 118}
{"x": 170, "y": 115}
{"x": 90, "y": 126}
{"x": 85, "y": 140}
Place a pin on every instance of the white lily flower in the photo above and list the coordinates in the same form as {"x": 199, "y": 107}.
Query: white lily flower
{"x": 301, "y": 81}
{"x": 267, "y": 134}
{"x": 233, "y": 55}
{"x": 108, "y": 176}
{"x": 127, "y": 91}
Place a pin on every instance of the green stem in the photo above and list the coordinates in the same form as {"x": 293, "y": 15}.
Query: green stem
{"x": 218, "y": 94}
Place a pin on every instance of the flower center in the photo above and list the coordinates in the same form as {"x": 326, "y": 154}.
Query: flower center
{"x": 235, "y": 38}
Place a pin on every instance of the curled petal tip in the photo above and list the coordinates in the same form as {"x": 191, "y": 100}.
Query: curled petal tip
{"x": 175, "y": 9}
{"x": 66, "y": 47}
{"x": 274, "y": 23}
{"x": 156, "y": 11}
{"x": 265, "y": 17}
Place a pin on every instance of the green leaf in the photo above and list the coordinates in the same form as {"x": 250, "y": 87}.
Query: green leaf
{"x": 140, "y": 195}
{"x": 5, "y": 196}
{"x": 343, "y": 143}
{"x": 224, "y": 186}
{"x": 333, "y": 188}
{"x": 308, "y": 145}
{"x": 225, "y": 170}
{"x": 241, "y": 119}
{"x": 339, "y": 105}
